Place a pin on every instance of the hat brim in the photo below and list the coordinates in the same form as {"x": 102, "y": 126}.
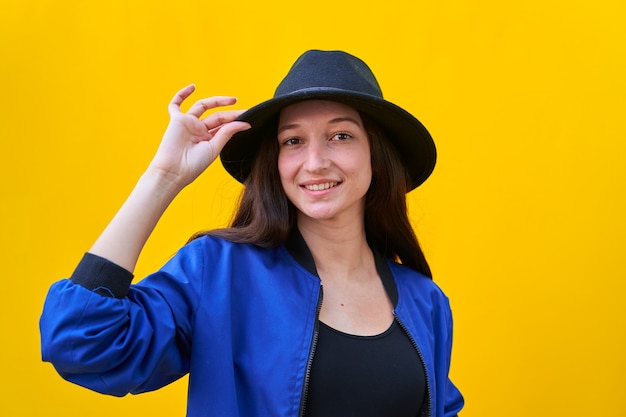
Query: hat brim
{"x": 413, "y": 141}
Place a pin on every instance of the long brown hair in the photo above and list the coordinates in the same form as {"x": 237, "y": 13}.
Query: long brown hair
{"x": 265, "y": 215}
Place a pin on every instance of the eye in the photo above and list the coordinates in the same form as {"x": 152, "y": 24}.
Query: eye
{"x": 341, "y": 136}
{"x": 291, "y": 141}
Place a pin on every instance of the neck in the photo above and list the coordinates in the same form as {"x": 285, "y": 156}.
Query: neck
{"x": 338, "y": 250}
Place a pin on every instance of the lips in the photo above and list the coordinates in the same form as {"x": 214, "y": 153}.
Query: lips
{"x": 320, "y": 186}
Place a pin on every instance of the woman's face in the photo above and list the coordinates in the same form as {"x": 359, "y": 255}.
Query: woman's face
{"x": 324, "y": 159}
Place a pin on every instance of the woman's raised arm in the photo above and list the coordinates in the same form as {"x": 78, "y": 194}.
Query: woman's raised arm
{"x": 190, "y": 144}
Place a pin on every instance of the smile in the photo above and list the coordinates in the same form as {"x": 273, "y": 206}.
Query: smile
{"x": 320, "y": 187}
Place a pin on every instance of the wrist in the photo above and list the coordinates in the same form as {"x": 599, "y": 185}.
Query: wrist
{"x": 163, "y": 183}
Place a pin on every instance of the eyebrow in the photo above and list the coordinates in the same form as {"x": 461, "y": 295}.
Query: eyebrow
{"x": 331, "y": 121}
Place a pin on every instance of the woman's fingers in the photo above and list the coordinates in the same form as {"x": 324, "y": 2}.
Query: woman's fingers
{"x": 220, "y": 125}
{"x": 201, "y": 106}
{"x": 179, "y": 97}
{"x": 222, "y": 134}
{"x": 217, "y": 119}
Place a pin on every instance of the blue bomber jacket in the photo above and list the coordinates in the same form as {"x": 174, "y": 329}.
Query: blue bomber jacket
{"x": 241, "y": 320}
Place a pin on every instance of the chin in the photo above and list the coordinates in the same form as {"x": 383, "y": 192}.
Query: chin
{"x": 318, "y": 214}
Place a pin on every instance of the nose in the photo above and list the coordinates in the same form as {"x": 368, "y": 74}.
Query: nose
{"x": 317, "y": 156}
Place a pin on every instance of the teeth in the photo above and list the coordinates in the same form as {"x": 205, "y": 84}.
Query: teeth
{"x": 319, "y": 187}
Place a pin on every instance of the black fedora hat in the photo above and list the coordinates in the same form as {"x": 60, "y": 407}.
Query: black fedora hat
{"x": 341, "y": 77}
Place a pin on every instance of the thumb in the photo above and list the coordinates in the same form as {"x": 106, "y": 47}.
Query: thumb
{"x": 226, "y": 132}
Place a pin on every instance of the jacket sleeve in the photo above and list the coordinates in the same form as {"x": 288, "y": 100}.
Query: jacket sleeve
{"x": 453, "y": 400}
{"x": 115, "y": 338}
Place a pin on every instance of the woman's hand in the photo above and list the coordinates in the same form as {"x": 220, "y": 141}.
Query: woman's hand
{"x": 191, "y": 143}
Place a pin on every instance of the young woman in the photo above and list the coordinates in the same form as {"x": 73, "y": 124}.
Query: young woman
{"x": 317, "y": 301}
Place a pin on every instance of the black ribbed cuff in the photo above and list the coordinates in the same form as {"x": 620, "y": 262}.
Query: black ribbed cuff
{"x": 102, "y": 276}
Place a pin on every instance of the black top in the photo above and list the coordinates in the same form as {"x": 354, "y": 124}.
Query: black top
{"x": 365, "y": 376}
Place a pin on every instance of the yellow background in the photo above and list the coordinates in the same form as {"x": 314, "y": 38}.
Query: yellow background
{"x": 523, "y": 220}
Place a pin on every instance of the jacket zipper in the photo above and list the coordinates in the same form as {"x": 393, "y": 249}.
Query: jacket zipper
{"x": 429, "y": 399}
{"x": 307, "y": 375}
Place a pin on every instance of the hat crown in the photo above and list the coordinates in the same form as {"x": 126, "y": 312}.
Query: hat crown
{"x": 329, "y": 69}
